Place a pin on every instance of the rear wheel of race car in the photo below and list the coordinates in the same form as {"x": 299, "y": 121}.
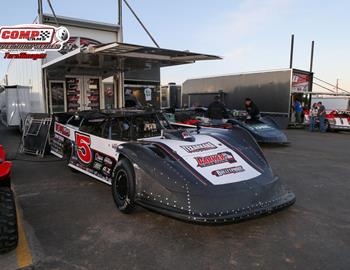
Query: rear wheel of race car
{"x": 68, "y": 152}
{"x": 123, "y": 186}
{"x": 8, "y": 221}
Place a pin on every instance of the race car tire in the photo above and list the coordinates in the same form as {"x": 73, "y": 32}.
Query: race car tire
{"x": 68, "y": 152}
{"x": 8, "y": 221}
{"x": 328, "y": 126}
{"x": 123, "y": 186}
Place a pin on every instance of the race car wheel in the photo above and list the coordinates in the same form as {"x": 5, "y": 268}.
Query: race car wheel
{"x": 123, "y": 186}
{"x": 68, "y": 152}
{"x": 8, "y": 221}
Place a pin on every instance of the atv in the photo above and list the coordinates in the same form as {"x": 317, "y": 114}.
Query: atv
{"x": 8, "y": 216}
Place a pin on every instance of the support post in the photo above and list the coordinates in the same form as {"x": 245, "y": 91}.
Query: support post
{"x": 40, "y": 11}
{"x": 312, "y": 55}
{"x": 120, "y": 20}
{"x": 118, "y": 78}
{"x": 291, "y": 52}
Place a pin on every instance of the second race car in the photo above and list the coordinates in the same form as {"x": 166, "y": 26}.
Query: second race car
{"x": 198, "y": 175}
{"x": 336, "y": 120}
{"x": 264, "y": 130}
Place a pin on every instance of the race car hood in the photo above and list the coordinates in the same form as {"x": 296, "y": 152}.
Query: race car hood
{"x": 211, "y": 159}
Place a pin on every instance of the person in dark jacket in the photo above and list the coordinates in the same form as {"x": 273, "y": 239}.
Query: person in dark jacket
{"x": 252, "y": 110}
{"x": 216, "y": 111}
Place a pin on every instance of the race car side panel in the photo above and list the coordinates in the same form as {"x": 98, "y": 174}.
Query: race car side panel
{"x": 90, "y": 154}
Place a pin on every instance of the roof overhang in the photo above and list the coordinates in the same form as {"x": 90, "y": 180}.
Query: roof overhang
{"x": 171, "y": 57}
{"x": 109, "y": 58}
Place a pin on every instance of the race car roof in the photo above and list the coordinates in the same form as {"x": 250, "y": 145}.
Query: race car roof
{"x": 95, "y": 115}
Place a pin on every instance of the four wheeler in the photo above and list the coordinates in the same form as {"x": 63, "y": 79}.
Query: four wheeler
{"x": 8, "y": 217}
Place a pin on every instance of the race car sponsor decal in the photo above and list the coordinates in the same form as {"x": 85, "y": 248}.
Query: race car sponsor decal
{"x": 62, "y": 130}
{"x": 108, "y": 161}
{"x": 198, "y": 147}
{"x": 99, "y": 157}
{"x": 106, "y": 171}
{"x": 226, "y": 171}
{"x": 97, "y": 166}
{"x": 215, "y": 159}
{"x": 186, "y": 135}
{"x": 57, "y": 145}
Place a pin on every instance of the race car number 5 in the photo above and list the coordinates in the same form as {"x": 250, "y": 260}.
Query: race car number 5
{"x": 84, "y": 151}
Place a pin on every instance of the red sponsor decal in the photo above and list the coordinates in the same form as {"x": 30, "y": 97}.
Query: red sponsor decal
{"x": 215, "y": 159}
{"x": 23, "y": 55}
{"x": 83, "y": 144}
{"x": 32, "y": 34}
{"x": 226, "y": 171}
{"x": 62, "y": 130}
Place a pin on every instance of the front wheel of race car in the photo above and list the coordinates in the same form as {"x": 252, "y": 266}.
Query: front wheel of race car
{"x": 123, "y": 186}
{"x": 8, "y": 221}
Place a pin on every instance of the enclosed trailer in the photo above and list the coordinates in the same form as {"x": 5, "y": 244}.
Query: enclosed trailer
{"x": 273, "y": 91}
{"x": 15, "y": 104}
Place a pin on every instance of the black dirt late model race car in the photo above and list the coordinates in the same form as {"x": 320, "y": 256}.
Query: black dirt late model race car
{"x": 198, "y": 175}
{"x": 264, "y": 130}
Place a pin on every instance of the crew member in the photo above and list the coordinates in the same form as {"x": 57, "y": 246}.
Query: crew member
{"x": 216, "y": 112}
{"x": 298, "y": 109}
{"x": 252, "y": 110}
{"x": 313, "y": 116}
{"x": 321, "y": 114}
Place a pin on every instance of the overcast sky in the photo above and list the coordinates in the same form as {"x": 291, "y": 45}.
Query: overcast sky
{"x": 249, "y": 34}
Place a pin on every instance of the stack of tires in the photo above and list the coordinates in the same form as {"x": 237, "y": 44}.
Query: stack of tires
{"x": 8, "y": 217}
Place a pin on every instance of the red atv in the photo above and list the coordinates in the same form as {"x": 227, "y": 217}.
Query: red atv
{"x": 8, "y": 217}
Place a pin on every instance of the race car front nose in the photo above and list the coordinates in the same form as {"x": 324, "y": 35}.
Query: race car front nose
{"x": 238, "y": 201}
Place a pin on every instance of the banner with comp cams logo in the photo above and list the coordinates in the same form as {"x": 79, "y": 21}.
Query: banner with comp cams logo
{"x": 31, "y": 41}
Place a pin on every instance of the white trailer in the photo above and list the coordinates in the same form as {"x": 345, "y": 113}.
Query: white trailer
{"x": 15, "y": 104}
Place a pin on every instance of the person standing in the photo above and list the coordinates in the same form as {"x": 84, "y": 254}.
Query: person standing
{"x": 298, "y": 109}
{"x": 252, "y": 110}
{"x": 321, "y": 114}
{"x": 313, "y": 116}
{"x": 216, "y": 112}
